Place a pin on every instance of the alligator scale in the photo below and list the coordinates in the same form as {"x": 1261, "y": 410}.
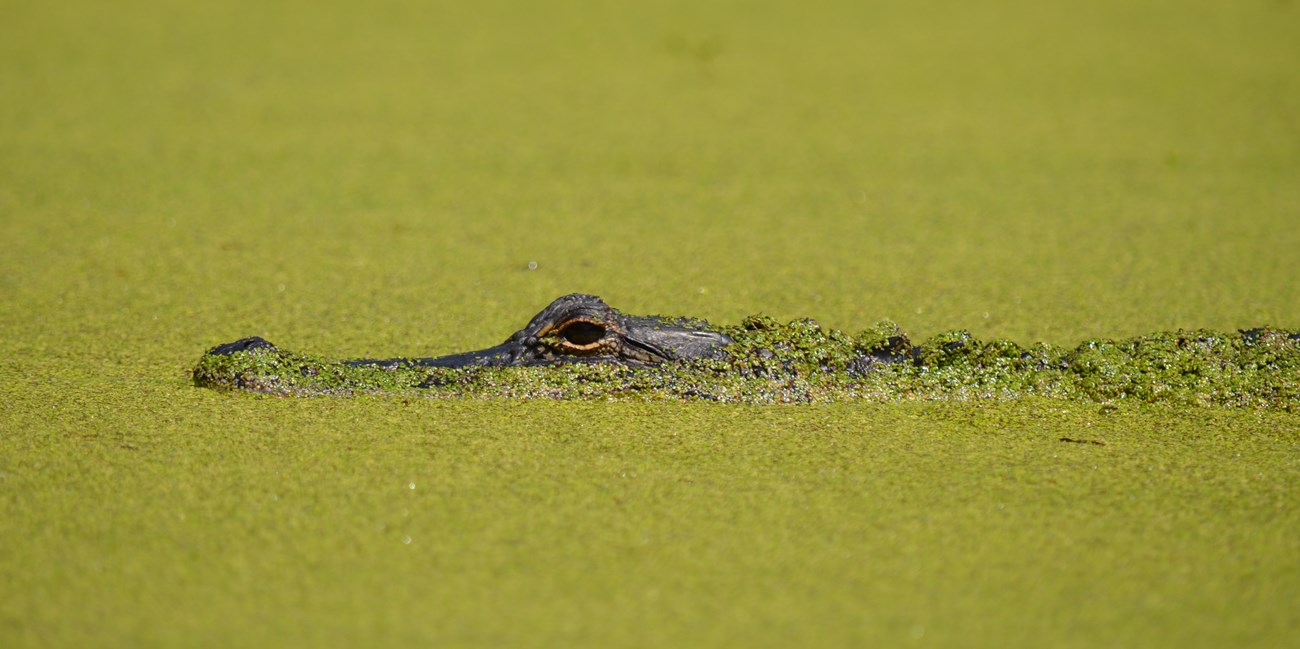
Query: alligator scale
{"x": 578, "y": 347}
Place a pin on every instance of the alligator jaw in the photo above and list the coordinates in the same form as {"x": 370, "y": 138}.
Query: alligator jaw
{"x": 505, "y": 354}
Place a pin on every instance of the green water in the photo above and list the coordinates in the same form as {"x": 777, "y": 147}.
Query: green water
{"x": 406, "y": 179}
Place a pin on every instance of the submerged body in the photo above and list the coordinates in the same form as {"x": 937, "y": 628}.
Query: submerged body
{"x": 579, "y": 347}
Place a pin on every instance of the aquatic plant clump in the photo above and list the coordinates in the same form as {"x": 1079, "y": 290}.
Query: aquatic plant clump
{"x": 802, "y": 362}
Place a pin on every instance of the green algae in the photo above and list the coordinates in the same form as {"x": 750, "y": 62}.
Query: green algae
{"x": 369, "y": 178}
{"x": 802, "y": 362}
{"x": 535, "y": 522}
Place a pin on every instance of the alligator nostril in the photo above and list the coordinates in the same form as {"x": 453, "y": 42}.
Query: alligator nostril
{"x": 582, "y": 333}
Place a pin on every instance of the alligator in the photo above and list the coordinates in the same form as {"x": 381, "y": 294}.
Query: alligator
{"x": 580, "y": 347}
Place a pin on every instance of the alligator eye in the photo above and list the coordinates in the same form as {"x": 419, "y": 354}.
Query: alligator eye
{"x": 582, "y": 333}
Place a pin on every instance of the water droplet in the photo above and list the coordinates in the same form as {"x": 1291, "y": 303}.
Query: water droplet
{"x": 411, "y": 486}
{"x": 406, "y": 540}
{"x": 532, "y": 265}
{"x": 280, "y": 288}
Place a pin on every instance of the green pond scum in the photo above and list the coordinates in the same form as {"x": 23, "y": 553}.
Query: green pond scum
{"x": 353, "y": 179}
{"x": 802, "y": 362}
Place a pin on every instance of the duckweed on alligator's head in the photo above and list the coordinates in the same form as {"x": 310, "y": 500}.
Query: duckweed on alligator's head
{"x": 769, "y": 362}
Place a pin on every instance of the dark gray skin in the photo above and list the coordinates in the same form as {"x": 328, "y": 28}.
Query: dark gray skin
{"x": 575, "y": 328}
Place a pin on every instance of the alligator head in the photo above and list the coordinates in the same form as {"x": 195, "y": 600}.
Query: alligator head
{"x": 573, "y": 329}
